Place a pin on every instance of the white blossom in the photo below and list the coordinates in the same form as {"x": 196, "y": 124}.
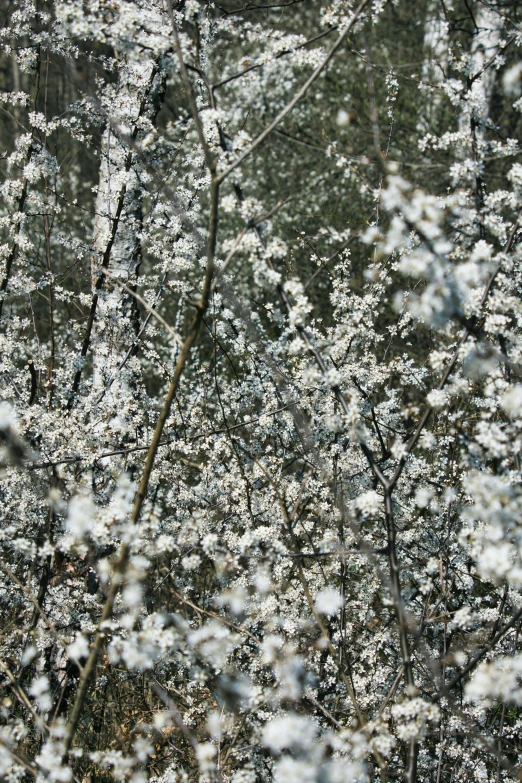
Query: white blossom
{"x": 328, "y": 601}
{"x": 79, "y": 648}
{"x": 260, "y": 405}
{"x": 369, "y": 503}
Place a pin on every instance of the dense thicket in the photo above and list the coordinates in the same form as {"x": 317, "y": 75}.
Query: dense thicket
{"x": 261, "y": 408}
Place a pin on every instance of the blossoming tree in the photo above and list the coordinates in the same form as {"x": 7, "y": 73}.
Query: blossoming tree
{"x": 261, "y": 396}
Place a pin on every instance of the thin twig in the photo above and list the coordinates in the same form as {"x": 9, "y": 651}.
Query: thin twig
{"x": 154, "y": 313}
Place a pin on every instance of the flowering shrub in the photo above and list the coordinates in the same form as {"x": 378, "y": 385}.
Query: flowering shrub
{"x": 261, "y": 397}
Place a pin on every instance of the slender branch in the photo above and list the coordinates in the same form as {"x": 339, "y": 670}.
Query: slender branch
{"x": 298, "y": 96}
{"x": 21, "y": 759}
{"x": 133, "y": 449}
{"x": 473, "y": 663}
{"x": 34, "y": 383}
{"x": 329, "y": 260}
{"x": 122, "y": 561}
{"x": 308, "y": 596}
{"x": 209, "y": 158}
{"x": 154, "y": 313}
{"x": 239, "y": 74}
{"x": 136, "y": 340}
{"x": 23, "y": 697}
{"x": 162, "y": 694}
{"x": 402, "y": 621}
{"x": 449, "y": 367}
{"x": 5, "y": 568}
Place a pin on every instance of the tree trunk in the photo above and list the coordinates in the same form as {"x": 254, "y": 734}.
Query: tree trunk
{"x": 118, "y": 219}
